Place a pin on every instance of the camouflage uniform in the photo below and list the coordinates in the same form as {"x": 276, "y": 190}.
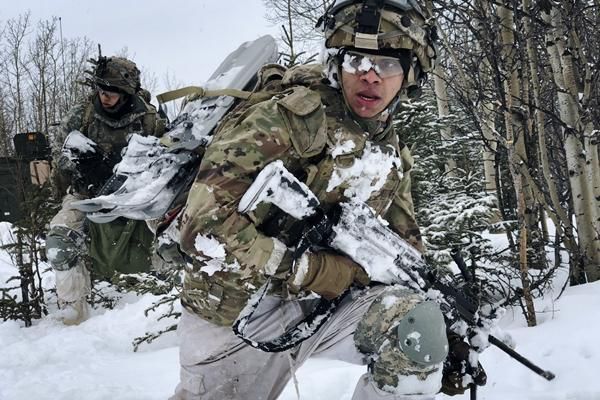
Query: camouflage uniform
{"x": 66, "y": 238}
{"x": 301, "y": 127}
{"x": 311, "y": 129}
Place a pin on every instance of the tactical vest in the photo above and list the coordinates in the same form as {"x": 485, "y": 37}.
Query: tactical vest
{"x": 111, "y": 134}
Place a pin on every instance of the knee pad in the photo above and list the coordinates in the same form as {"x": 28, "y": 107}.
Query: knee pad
{"x": 63, "y": 247}
{"x": 405, "y": 339}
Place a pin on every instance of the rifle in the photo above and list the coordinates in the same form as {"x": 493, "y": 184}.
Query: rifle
{"x": 353, "y": 229}
{"x": 89, "y": 165}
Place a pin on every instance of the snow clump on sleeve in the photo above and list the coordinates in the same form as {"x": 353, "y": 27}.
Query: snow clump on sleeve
{"x": 215, "y": 255}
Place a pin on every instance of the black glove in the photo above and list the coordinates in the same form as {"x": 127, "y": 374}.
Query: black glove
{"x": 457, "y": 367}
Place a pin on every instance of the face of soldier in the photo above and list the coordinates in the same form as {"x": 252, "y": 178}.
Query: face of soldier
{"x": 367, "y": 93}
{"x": 108, "y": 99}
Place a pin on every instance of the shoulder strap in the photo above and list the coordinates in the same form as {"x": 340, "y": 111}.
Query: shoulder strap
{"x": 267, "y": 75}
{"x": 198, "y": 91}
{"x": 152, "y": 124}
{"x": 88, "y": 116}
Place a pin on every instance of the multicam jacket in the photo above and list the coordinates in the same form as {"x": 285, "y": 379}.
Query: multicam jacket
{"x": 109, "y": 133}
{"x": 309, "y": 128}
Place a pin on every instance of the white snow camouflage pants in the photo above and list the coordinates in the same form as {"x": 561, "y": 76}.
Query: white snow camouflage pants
{"x": 216, "y": 365}
{"x": 72, "y": 284}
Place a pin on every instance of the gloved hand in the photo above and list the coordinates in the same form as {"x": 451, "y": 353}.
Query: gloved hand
{"x": 458, "y": 374}
{"x": 326, "y": 273}
{"x": 66, "y": 164}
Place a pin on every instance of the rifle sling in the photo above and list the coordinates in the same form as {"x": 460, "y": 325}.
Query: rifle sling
{"x": 292, "y": 336}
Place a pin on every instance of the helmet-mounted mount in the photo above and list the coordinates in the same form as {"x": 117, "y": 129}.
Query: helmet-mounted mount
{"x": 367, "y": 24}
{"x": 367, "y": 19}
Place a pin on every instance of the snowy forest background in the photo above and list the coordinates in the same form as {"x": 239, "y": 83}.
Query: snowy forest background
{"x": 505, "y": 139}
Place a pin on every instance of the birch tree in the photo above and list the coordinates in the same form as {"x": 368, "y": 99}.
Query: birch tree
{"x": 15, "y": 68}
{"x": 578, "y": 143}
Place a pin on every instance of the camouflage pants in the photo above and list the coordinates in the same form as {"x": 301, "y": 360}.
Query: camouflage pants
{"x": 72, "y": 279}
{"x": 215, "y": 364}
{"x": 69, "y": 217}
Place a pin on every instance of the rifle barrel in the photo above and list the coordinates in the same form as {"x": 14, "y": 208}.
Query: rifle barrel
{"x": 499, "y": 344}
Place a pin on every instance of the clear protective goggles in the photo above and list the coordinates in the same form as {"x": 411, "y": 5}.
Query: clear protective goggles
{"x": 358, "y": 63}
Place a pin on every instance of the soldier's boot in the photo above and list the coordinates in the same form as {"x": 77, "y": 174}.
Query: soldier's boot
{"x": 72, "y": 288}
{"x": 73, "y": 313}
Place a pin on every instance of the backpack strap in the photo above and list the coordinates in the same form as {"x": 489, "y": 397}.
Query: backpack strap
{"x": 88, "y": 117}
{"x": 267, "y": 76}
{"x": 152, "y": 123}
{"x": 198, "y": 91}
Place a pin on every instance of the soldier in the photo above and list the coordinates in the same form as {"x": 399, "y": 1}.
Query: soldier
{"x": 331, "y": 128}
{"x": 113, "y": 112}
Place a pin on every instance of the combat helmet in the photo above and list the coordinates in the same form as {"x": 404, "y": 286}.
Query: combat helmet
{"x": 116, "y": 73}
{"x": 392, "y": 27}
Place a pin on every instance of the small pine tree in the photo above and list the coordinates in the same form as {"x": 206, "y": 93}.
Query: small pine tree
{"x": 453, "y": 209}
{"x": 458, "y": 217}
{"x": 26, "y": 301}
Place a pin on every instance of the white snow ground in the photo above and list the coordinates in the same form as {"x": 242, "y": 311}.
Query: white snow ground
{"x": 95, "y": 360}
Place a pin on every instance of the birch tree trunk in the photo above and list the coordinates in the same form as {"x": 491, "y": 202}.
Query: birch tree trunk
{"x": 491, "y": 145}
{"x": 560, "y": 218}
{"x": 515, "y": 135}
{"x": 579, "y": 161}
{"x": 16, "y": 32}
{"x": 487, "y": 110}
{"x": 441, "y": 95}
